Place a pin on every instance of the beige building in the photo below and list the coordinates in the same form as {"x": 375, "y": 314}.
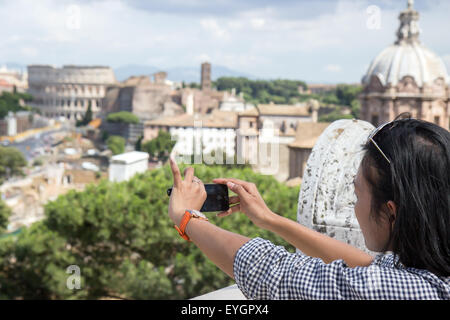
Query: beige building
{"x": 282, "y": 118}
{"x": 299, "y": 150}
{"x": 143, "y": 97}
{"x": 406, "y": 76}
{"x": 195, "y": 132}
{"x": 233, "y": 102}
{"x": 68, "y": 91}
{"x": 10, "y": 79}
{"x": 318, "y": 88}
{"x": 201, "y": 101}
{"x": 265, "y": 132}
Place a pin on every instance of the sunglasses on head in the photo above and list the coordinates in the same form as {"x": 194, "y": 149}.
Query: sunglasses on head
{"x": 372, "y": 136}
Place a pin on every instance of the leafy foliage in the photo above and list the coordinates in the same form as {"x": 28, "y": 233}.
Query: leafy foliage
{"x": 116, "y": 144}
{"x": 160, "y": 146}
{"x": 86, "y": 118}
{"x": 333, "y": 116}
{"x": 287, "y": 92}
{"x": 12, "y": 102}
{"x": 263, "y": 91}
{"x": 5, "y": 212}
{"x": 11, "y": 162}
{"x": 122, "y": 116}
{"x": 121, "y": 237}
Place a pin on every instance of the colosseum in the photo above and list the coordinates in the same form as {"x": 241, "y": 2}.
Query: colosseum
{"x": 68, "y": 91}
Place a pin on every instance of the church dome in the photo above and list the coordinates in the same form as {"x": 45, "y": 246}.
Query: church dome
{"x": 407, "y": 57}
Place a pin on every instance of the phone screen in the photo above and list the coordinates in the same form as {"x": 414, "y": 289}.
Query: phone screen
{"x": 216, "y": 199}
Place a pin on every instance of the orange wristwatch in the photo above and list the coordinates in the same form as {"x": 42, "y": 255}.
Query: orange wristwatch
{"x": 188, "y": 214}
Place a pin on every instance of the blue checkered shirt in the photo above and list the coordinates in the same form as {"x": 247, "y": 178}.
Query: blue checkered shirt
{"x": 265, "y": 271}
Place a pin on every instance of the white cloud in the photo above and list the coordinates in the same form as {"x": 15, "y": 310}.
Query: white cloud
{"x": 212, "y": 26}
{"x": 202, "y": 58}
{"x": 29, "y": 51}
{"x": 257, "y": 23}
{"x": 333, "y": 68}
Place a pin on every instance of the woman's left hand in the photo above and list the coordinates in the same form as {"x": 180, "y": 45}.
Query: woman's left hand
{"x": 186, "y": 194}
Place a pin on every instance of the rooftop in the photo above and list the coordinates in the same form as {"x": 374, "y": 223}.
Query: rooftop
{"x": 95, "y": 123}
{"x": 129, "y": 157}
{"x": 47, "y": 66}
{"x": 278, "y": 110}
{"x": 216, "y": 119}
{"x": 308, "y": 133}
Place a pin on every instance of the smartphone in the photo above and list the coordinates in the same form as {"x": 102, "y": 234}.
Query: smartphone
{"x": 216, "y": 198}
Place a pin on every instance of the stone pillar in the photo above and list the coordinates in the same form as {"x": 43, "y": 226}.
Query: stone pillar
{"x": 190, "y": 104}
{"x": 326, "y": 198}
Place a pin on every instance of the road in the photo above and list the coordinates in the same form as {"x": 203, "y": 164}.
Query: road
{"x": 35, "y": 146}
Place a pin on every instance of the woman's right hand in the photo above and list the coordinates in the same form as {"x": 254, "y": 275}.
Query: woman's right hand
{"x": 248, "y": 201}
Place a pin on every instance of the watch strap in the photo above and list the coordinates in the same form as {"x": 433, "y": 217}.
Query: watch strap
{"x": 184, "y": 221}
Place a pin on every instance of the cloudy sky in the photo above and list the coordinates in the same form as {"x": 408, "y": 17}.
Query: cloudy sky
{"x": 312, "y": 40}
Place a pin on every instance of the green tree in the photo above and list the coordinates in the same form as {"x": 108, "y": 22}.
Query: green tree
{"x": 159, "y": 147}
{"x": 347, "y": 93}
{"x": 11, "y": 162}
{"x": 138, "y": 145}
{"x": 333, "y": 116}
{"x": 122, "y": 117}
{"x": 116, "y": 144}
{"x": 279, "y": 91}
{"x": 33, "y": 265}
{"x": 13, "y": 102}
{"x": 356, "y": 108}
{"x": 5, "y": 213}
{"x": 86, "y": 118}
{"x": 121, "y": 238}
{"x": 194, "y": 85}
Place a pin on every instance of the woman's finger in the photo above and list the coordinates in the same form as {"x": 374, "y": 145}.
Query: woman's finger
{"x": 176, "y": 173}
{"x": 198, "y": 181}
{"x": 246, "y": 185}
{"x": 234, "y": 199}
{"x": 188, "y": 174}
{"x": 232, "y": 210}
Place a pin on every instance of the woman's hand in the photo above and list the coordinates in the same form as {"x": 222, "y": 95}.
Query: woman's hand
{"x": 248, "y": 201}
{"x": 186, "y": 194}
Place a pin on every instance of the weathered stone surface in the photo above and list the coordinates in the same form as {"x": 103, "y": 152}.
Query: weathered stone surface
{"x": 326, "y": 198}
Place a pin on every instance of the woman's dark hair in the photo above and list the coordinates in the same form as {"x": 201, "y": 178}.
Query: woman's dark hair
{"x": 417, "y": 180}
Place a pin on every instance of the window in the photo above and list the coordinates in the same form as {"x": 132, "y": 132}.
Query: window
{"x": 437, "y": 120}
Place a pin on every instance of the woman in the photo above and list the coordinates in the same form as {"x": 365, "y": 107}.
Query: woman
{"x": 403, "y": 206}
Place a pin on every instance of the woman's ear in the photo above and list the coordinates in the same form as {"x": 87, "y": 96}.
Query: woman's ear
{"x": 392, "y": 212}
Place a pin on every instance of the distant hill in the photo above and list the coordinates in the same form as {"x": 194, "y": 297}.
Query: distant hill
{"x": 14, "y": 66}
{"x": 178, "y": 74}
{"x": 127, "y": 71}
